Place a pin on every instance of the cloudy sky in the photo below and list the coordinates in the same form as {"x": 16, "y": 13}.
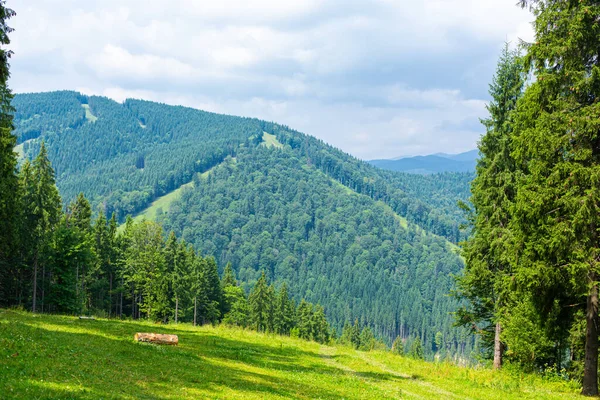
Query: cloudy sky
{"x": 377, "y": 78}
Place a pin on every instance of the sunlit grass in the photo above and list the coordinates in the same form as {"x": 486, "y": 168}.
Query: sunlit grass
{"x": 88, "y": 113}
{"x": 271, "y": 141}
{"x": 43, "y": 356}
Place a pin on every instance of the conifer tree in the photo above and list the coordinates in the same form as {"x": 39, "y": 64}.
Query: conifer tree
{"x": 398, "y": 346}
{"x": 283, "y": 314}
{"x": 304, "y": 323}
{"x": 416, "y": 349}
{"x": 239, "y": 312}
{"x": 346, "y": 337}
{"x": 258, "y": 302}
{"x": 355, "y": 334}
{"x": 367, "y": 339}
{"x": 42, "y": 211}
{"x": 557, "y": 211}
{"x": 227, "y": 281}
{"x": 320, "y": 327}
{"x": 493, "y": 192}
{"x": 228, "y": 277}
{"x": 9, "y": 184}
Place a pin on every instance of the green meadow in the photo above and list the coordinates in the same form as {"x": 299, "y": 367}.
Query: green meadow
{"x": 49, "y": 356}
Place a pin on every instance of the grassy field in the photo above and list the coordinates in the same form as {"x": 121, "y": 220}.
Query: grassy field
{"x": 88, "y": 113}
{"x": 48, "y": 357}
{"x": 271, "y": 141}
{"x": 163, "y": 203}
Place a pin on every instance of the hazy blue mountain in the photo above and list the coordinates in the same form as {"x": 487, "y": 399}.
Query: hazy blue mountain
{"x": 431, "y": 164}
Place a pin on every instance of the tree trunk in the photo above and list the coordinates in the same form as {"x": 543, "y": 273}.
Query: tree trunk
{"x": 157, "y": 338}
{"x": 176, "y": 307}
{"x": 121, "y": 305}
{"x": 110, "y": 295}
{"x": 195, "y": 311}
{"x": 498, "y": 347}
{"x": 590, "y": 369}
{"x": 35, "y": 269}
{"x": 43, "y": 284}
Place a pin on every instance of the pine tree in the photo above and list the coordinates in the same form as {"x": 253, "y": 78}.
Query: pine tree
{"x": 228, "y": 277}
{"x": 346, "y": 337}
{"x": 320, "y": 327}
{"x": 557, "y": 212}
{"x": 42, "y": 209}
{"x": 304, "y": 320}
{"x": 398, "y": 346}
{"x": 283, "y": 314}
{"x": 9, "y": 184}
{"x": 416, "y": 349}
{"x": 367, "y": 339}
{"x": 228, "y": 280}
{"x": 239, "y": 312}
{"x": 258, "y": 302}
{"x": 355, "y": 334}
{"x": 487, "y": 258}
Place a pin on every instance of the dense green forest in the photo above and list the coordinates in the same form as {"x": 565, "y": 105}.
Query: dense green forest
{"x": 134, "y": 152}
{"x": 360, "y": 241}
{"x": 363, "y": 242}
{"x": 277, "y": 231}
{"x": 329, "y": 244}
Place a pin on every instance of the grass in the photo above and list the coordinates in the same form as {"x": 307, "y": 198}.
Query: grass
{"x": 46, "y": 356}
{"x": 271, "y": 141}
{"x": 88, "y": 113}
{"x": 19, "y": 149}
{"x": 163, "y": 203}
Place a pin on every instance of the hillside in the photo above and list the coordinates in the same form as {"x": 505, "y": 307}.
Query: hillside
{"x": 365, "y": 243}
{"x": 44, "y": 356}
{"x": 431, "y": 164}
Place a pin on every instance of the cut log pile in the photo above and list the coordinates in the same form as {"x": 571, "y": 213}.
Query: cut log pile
{"x": 157, "y": 338}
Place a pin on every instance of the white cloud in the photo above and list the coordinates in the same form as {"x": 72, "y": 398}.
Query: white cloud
{"x": 378, "y": 78}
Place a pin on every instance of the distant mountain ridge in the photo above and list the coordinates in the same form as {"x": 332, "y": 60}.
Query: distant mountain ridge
{"x": 431, "y": 164}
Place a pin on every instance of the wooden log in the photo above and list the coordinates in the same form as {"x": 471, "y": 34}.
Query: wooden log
{"x": 157, "y": 338}
{"x": 86, "y": 317}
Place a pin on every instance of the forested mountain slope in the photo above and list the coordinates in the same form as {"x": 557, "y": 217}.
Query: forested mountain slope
{"x": 363, "y": 242}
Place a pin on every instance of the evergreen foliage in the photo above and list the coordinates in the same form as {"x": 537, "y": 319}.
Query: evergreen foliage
{"x": 486, "y": 278}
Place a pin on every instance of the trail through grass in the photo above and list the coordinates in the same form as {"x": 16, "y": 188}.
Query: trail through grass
{"x": 44, "y": 356}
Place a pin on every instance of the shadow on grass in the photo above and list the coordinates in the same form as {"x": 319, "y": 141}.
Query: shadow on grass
{"x": 92, "y": 365}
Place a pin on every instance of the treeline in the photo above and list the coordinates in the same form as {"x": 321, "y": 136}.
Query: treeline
{"x": 533, "y": 261}
{"x": 68, "y": 262}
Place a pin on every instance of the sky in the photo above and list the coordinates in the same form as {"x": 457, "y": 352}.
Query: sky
{"x": 376, "y": 78}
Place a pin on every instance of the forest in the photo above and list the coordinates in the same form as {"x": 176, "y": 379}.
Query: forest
{"x": 362, "y": 242}
{"x": 279, "y": 232}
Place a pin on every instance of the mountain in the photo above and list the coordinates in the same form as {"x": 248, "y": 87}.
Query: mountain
{"x": 431, "y": 164}
{"x": 365, "y": 243}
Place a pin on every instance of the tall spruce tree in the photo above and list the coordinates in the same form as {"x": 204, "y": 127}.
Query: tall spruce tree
{"x": 483, "y": 283}
{"x": 42, "y": 209}
{"x": 557, "y": 213}
{"x": 259, "y": 304}
{"x": 9, "y": 184}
